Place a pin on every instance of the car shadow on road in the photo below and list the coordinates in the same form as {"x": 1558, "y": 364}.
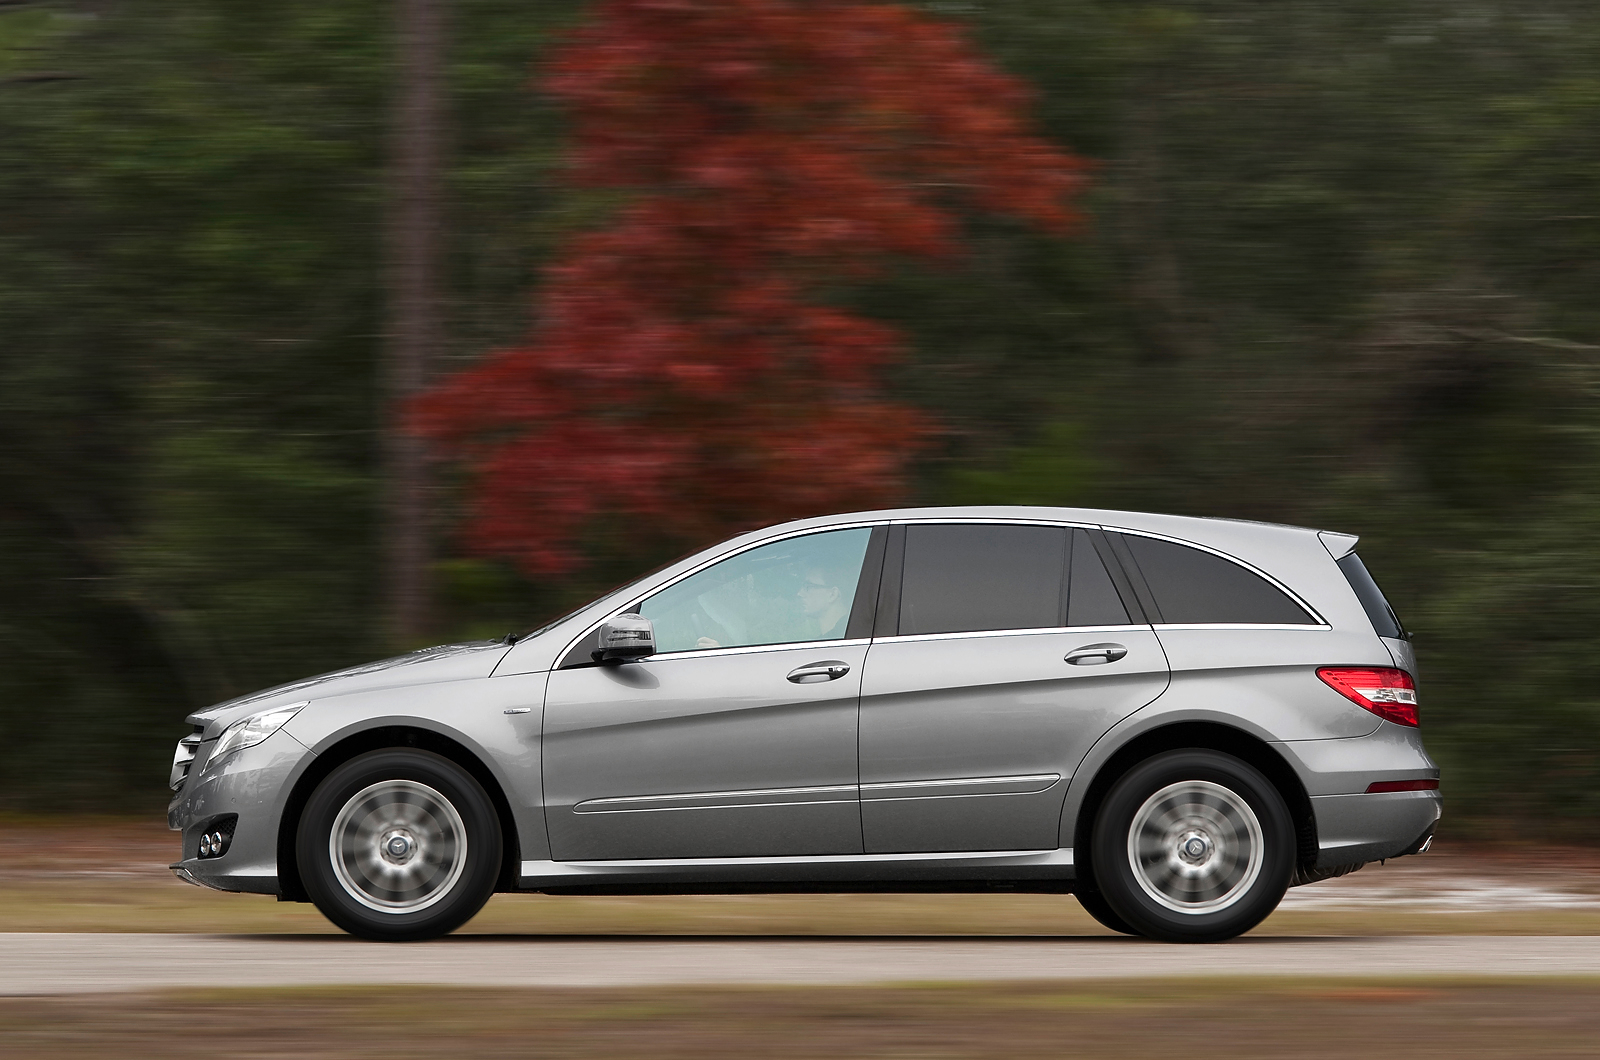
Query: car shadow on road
{"x": 858, "y": 939}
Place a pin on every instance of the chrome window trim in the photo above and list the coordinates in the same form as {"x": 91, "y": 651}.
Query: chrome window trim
{"x": 1320, "y": 623}
{"x": 713, "y": 561}
{"x": 753, "y": 649}
{"x": 1303, "y": 626}
{"x": 1035, "y": 631}
{"x": 997, "y": 521}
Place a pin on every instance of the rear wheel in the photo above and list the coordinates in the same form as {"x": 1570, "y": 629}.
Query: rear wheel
{"x": 1193, "y": 846}
{"x": 398, "y": 845}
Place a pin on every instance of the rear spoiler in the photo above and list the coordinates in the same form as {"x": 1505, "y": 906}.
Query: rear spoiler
{"x": 1338, "y": 545}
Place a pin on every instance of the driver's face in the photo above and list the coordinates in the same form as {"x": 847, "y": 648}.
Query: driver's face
{"x": 814, "y": 595}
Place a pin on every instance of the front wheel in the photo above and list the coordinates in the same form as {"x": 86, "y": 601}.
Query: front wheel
{"x": 1193, "y": 846}
{"x": 398, "y": 845}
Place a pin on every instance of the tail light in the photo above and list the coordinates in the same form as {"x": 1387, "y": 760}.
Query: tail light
{"x": 1388, "y": 693}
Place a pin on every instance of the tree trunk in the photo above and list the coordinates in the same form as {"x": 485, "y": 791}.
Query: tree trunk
{"x": 414, "y": 330}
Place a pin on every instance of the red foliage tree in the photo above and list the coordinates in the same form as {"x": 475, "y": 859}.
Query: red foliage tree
{"x": 685, "y": 365}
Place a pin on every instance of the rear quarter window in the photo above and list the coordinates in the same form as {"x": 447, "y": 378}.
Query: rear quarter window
{"x": 1384, "y": 621}
{"x": 1194, "y": 587}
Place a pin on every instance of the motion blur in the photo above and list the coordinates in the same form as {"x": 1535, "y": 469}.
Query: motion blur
{"x": 332, "y": 330}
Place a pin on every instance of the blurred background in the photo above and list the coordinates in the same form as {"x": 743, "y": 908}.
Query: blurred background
{"x": 296, "y": 368}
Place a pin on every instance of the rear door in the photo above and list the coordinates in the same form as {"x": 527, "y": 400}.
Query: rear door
{"x": 1003, "y": 650}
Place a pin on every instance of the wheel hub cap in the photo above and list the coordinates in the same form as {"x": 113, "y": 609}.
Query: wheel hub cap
{"x": 398, "y": 846}
{"x": 1195, "y": 847}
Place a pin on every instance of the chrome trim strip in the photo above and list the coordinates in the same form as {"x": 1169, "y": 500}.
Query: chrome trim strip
{"x": 1321, "y": 623}
{"x": 752, "y": 649}
{"x": 1163, "y": 627}
{"x": 1039, "y": 631}
{"x": 996, "y": 521}
{"x": 573, "y": 870}
{"x": 1252, "y": 568}
{"x": 711, "y": 800}
{"x": 964, "y": 787}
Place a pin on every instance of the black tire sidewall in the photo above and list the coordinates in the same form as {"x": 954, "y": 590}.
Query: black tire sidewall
{"x": 484, "y": 845}
{"x": 1114, "y": 876}
{"x": 1094, "y": 903}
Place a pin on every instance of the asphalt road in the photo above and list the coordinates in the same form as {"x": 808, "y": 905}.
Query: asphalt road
{"x": 57, "y": 963}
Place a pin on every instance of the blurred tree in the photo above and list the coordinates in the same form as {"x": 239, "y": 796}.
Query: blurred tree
{"x": 686, "y": 365}
{"x": 191, "y": 288}
{"x": 414, "y": 310}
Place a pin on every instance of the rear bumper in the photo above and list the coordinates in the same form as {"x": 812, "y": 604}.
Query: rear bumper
{"x": 1357, "y": 828}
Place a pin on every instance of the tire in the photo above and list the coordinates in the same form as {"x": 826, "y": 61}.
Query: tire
{"x": 1193, "y": 846}
{"x": 398, "y": 845}
{"x": 1094, "y": 903}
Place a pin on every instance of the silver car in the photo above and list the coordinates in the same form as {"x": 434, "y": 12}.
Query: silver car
{"x": 1173, "y": 719}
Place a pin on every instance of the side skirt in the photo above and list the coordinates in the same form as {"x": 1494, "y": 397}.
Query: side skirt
{"x": 1012, "y": 870}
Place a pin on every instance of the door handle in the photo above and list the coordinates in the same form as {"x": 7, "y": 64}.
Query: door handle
{"x": 1096, "y": 654}
{"x": 813, "y": 673}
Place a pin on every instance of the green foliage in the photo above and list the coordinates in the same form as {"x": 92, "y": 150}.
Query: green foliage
{"x": 1054, "y": 471}
{"x": 191, "y": 269}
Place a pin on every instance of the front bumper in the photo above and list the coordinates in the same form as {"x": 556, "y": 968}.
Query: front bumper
{"x": 253, "y": 784}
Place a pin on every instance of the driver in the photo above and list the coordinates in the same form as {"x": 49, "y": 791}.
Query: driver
{"x": 824, "y": 604}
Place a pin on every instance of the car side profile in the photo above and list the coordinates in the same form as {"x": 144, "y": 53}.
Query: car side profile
{"x": 1174, "y": 719}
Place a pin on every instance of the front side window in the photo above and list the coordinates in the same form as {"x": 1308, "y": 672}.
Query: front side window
{"x": 1193, "y": 587}
{"x": 794, "y": 590}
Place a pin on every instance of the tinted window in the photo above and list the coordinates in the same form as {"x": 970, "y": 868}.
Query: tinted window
{"x": 1191, "y": 586}
{"x": 794, "y": 590}
{"x": 1092, "y": 598}
{"x": 963, "y": 578}
{"x": 1384, "y": 620}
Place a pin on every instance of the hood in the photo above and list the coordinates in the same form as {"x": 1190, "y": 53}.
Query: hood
{"x": 448, "y": 662}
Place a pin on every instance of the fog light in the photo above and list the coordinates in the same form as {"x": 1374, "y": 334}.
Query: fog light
{"x": 218, "y": 836}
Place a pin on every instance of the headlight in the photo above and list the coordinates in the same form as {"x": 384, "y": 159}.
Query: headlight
{"x": 247, "y": 732}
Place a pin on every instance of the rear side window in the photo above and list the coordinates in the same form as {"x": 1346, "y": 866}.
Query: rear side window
{"x": 968, "y": 577}
{"x": 1195, "y": 587}
{"x": 1384, "y": 621}
{"x": 1092, "y": 598}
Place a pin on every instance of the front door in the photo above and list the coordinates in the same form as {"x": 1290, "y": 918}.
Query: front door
{"x": 738, "y": 738}
{"x": 1012, "y": 652}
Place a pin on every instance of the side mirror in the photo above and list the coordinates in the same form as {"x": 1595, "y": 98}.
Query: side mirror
{"x": 625, "y": 637}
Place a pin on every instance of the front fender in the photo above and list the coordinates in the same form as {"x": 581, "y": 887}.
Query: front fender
{"x": 498, "y": 720}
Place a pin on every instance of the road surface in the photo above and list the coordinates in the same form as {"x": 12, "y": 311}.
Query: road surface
{"x": 57, "y": 963}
